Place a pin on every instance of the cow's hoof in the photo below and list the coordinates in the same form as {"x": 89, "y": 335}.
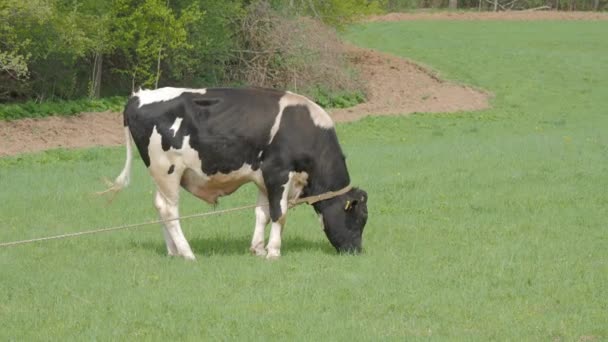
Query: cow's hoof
{"x": 273, "y": 255}
{"x": 261, "y": 252}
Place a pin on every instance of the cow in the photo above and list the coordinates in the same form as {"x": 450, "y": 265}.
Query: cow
{"x": 212, "y": 141}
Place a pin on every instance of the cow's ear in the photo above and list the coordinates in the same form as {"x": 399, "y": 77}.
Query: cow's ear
{"x": 360, "y": 195}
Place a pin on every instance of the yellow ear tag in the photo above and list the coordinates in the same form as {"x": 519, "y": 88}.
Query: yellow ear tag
{"x": 347, "y": 206}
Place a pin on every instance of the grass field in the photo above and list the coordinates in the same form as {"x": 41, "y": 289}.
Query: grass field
{"x": 484, "y": 225}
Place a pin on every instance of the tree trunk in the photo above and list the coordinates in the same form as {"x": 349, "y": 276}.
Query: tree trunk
{"x": 596, "y": 5}
{"x": 495, "y": 5}
{"x": 453, "y": 4}
{"x": 95, "y": 87}
{"x": 158, "y": 68}
{"x": 97, "y": 83}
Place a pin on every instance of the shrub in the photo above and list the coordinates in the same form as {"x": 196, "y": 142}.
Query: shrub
{"x": 291, "y": 52}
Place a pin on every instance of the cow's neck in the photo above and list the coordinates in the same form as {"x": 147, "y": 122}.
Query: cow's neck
{"x": 329, "y": 174}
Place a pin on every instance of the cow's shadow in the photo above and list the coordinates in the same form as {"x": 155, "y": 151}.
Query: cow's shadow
{"x": 217, "y": 245}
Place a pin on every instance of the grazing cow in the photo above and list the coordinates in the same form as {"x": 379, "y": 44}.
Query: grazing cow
{"x": 212, "y": 141}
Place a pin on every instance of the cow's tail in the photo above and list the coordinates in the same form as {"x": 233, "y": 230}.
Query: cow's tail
{"x": 123, "y": 178}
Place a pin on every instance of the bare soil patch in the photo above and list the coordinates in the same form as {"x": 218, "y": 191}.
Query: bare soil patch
{"x": 506, "y": 15}
{"x": 83, "y": 130}
{"x": 398, "y": 86}
{"x": 395, "y": 86}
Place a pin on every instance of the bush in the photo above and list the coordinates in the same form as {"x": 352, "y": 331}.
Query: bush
{"x": 330, "y": 99}
{"x": 290, "y": 52}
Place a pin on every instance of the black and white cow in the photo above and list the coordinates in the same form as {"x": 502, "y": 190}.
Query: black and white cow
{"x": 212, "y": 141}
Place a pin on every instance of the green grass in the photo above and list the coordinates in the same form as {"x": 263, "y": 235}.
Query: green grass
{"x": 32, "y": 109}
{"x": 489, "y": 225}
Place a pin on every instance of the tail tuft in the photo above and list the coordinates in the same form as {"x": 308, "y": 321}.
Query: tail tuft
{"x": 123, "y": 178}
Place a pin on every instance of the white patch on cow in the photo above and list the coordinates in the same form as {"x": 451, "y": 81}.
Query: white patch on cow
{"x": 285, "y": 195}
{"x": 183, "y": 158}
{"x": 274, "y": 240}
{"x": 321, "y": 221}
{"x": 318, "y": 115}
{"x": 176, "y": 125}
{"x": 262, "y": 217}
{"x": 163, "y": 94}
{"x": 155, "y": 150}
{"x": 189, "y": 156}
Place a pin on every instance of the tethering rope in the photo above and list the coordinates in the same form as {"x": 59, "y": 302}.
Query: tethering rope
{"x": 308, "y": 200}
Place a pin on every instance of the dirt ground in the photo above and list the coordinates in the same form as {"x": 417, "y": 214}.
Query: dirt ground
{"x": 395, "y": 86}
{"x": 398, "y": 86}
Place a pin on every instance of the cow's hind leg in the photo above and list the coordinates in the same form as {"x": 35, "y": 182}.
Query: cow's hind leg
{"x": 167, "y": 204}
{"x": 171, "y": 248}
{"x": 262, "y": 217}
{"x": 174, "y": 237}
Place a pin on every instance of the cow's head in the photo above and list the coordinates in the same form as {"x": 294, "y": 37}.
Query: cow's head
{"x": 344, "y": 218}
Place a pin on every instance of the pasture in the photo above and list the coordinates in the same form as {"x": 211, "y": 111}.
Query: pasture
{"x": 483, "y": 225}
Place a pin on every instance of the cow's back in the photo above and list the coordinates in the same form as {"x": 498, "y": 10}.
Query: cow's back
{"x": 227, "y": 127}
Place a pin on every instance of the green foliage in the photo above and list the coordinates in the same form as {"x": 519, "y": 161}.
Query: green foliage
{"x": 212, "y": 39}
{"x": 145, "y": 33}
{"x": 18, "y": 21}
{"x": 336, "y": 99}
{"x": 337, "y": 13}
{"x": 402, "y": 5}
{"x": 33, "y": 109}
{"x": 68, "y": 49}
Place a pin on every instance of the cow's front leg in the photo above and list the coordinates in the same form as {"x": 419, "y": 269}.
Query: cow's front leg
{"x": 278, "y": 205}
{"x": 262, "y": 217}
{"x": 274, "y": 241}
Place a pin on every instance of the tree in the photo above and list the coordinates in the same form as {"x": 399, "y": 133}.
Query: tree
{"x": 211, "y": 29}
{"x": 17, "y": 20}
{"x": 145, "y": 32}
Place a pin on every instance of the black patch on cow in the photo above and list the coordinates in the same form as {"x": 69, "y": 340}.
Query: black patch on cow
{"x": 171, "y": 169}
{"x": 228, "y": 127}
